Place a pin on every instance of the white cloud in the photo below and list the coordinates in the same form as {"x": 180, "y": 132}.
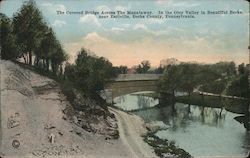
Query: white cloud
{"x": 59, "y": 23}
{"x": 172, "y": 3}
{"x": 155, "y": 21}
{"x": 90, "y": 19}
{"x": 91, "y": 40}
{"x": 125, "y": 25}
{"x": 94, "y": 37}
{"x": 60, "y": 7}
{"x": 140, "y": 26}
{"x": 103, "y": 8}
{"x": 120, "y": 8}
{"x": 46, "y": 4}
{"x": 117, "y": 29}
{"x": 54, "y": 7}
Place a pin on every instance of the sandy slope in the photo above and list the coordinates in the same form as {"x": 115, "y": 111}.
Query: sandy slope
{"x": 31, "y": 110}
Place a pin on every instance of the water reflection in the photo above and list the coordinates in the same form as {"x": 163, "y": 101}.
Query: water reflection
{"x": 135, "y": 101}
{"x": 199, "y": 130}
{"x": 179, "y": 115}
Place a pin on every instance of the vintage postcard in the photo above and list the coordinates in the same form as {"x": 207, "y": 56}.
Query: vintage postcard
{"x": 125, "y": 79}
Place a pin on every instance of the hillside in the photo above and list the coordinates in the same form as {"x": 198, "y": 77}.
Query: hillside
{"x": 34, "y": 111}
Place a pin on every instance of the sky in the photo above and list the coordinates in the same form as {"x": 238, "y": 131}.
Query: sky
{"x": 205, "y": 38}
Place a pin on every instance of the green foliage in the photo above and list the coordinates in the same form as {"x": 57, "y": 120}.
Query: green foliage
{"x": 159, "y": 70}
{"x": 143, "y": 67}
{"x": 9, "y": 49}
{"x": 188, "y": 76}
{"x": 181, "y": 77}
{"x": 51, "y": 51}
{"x": 239, "y": 87}
{"x": 216, "y": 86}
{"x": 120, "y": 69}
{"x": 89, "y": 73}
{"x": 57, "y": 58}
{"x": 31, "y": 35}
{"x": 242, "y": 69}
{"x": 224, "y": 68}
{"x": 163, "y": 148}
{"x": 67, "y": 90}
{"x": 29, "y": 27}
{"x": 171, "y": 79}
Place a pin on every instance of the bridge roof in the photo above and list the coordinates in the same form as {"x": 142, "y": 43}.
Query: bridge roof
{"x": 137, "y": 77}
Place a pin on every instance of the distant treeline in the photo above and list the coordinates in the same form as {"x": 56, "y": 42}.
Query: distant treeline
{"x": 219, "y": 78}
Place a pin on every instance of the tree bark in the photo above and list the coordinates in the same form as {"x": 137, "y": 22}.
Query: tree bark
{"x": 25, "y": 61}
{"x": 47, "y": 64}
{"x": 61, "y": 69}
{"x": 30, "y": 58}
{"x": 36, "y": 61}
{"x": 43, "y": 64}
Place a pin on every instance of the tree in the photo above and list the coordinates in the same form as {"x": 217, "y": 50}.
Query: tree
{"x": 159, "y": 70}
{"x": 188, "y": 79}
{"x": 171, "y": 79}
{"x": 48, "y": 48}
{"x": 9, "y": 50}
{"x": 28, "y": 27}
{"x": 143, "y": 67}
{"x": 138, "y": 69}
{"x": 239, "y": 86}
{"x": 57, "y": 58}
{"x": 120, "y": 69}
{"x": 89, "y": 73}
{"x": 224, "y": 68}
{"x": 241, "y": 69}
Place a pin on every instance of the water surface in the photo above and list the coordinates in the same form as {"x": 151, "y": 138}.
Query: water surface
{"x": 201, "y": 131}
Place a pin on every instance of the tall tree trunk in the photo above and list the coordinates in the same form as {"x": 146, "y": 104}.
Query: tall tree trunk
{"x": 61, "y": 69}
{"x": 43, "y": 63}
{"x": 53, "y": 66}
{"x": 25, "y": 61}
{"x": 30, "y": 58}
{"x": 36, "y": 61}
{"x": 47, "y": 64}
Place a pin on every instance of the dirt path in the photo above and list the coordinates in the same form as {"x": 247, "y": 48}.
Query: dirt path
{"x": 131, "y": 129}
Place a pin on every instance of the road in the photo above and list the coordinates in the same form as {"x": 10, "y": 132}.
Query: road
{"x": 131, "y": 128}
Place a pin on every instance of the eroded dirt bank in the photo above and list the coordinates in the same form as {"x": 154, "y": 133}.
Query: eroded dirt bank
{"x": 34, "y": 111}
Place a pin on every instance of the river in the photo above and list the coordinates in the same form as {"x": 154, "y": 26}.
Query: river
{"x": 201, "y": 131}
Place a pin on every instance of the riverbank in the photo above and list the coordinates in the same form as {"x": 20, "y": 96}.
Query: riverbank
{"x": 198, "y": 130}
{"x": 34, "y": 122}
{"x": 140, "y": 136}
{"x": 131, "y": 129}
{"x": 232, "y": 104}
{"x": 164, "y": 148}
